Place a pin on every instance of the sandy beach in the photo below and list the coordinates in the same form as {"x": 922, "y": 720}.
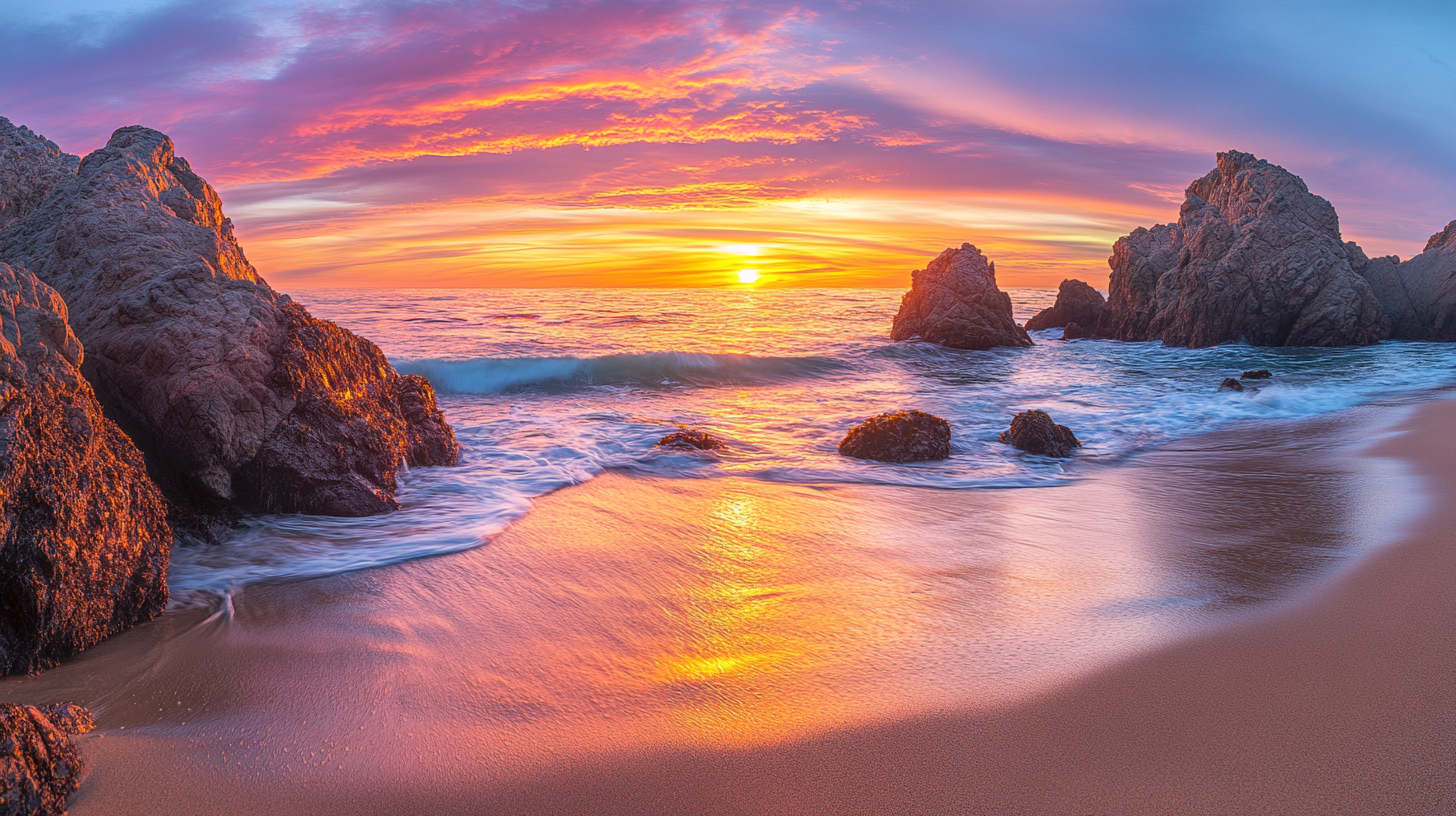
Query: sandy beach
{"x": 1256, "y": 620}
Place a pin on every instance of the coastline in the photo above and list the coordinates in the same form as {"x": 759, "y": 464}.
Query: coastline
{"x": 1240, "y": 707}
{"x": 1340, "y": 702}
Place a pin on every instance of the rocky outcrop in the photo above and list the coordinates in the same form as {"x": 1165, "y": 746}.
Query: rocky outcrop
{"x": 237, "y": 396}
{"x": 84, "y": 541}
{"x": 31, "y": 167}
{"x": 1254, "y": 257}
{"x": 1230, "y": 384}
{"x": 691, "y": 439}
{"x": 1257, "y": 374}
{"x": 907, "y": 436}
{"x": 954, "y": 302}
{"x": 1420, "y": 294}
{"x": 39, "y": 765}
{"x": 1035, "y": 432}
{"x": 69, "y": 717}
{"x": 1076, "y": 303}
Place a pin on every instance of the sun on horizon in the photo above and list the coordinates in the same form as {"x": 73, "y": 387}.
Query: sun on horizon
{"x": 747, "y": 275}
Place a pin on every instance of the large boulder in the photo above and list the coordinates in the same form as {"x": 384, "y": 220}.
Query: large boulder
{"x": 1420, "y": 294}
{"x": 1255, "y": 257}
{"x": 906, "y": 436}
{"x": 237, "y": 396}
{"x": 84, "y": 541}
{"x": 39, "y": 765}
{"x": 954, "y": 302}
{"x": 1076, "y": 303}
{"x": 31, "y": 167}
{"x": 1035, "y": 432}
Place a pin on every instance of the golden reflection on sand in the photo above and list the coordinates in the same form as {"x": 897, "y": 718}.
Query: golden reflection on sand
{"x": 635, "y": 614}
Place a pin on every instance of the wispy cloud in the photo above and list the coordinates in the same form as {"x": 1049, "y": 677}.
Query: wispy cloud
{"x": 428, "y": 131}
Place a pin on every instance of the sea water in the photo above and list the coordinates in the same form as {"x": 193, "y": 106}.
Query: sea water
{"x": 549, "y": 388}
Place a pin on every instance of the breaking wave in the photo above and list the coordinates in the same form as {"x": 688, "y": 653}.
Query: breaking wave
{"x": 491, "y": 375}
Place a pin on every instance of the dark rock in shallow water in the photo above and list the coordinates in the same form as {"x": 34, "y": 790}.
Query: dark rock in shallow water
{"x": 237, "y": 396}
{"x": 39, "y": 765}
{"x": 84, "y": 541}
{"x": 954, "y": 302}
{"x": 1035, "y": 432}
{"x": 31, "y": 168}
{"x": 907, "y": 436}
{"x": 1254, "y": 257}
{"x": 1076, "y": 303}
{"x": 1075, "y": 331}
{"x": 1230, "y": 384}
{"x": 1257, "y": 374}
{"x": 691, "y": 438}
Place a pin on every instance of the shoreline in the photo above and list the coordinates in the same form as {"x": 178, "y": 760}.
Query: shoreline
{"x": 452, "y": 732}
{"x": 1340, "y": 701}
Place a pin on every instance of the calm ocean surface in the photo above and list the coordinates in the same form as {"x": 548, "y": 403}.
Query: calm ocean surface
{"x": 548, "y": 388}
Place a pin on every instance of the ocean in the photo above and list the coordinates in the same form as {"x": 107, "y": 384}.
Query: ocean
{"x": 550, "y": 388}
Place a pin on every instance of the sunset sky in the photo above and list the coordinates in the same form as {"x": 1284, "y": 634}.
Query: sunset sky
{"x": 675, "y": 143}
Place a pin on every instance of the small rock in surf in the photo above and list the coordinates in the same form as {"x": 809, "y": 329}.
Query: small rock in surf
{"x": 691, "y": 438}
{"x": 907, "y": 436}
{"x": 1035, "y": 432}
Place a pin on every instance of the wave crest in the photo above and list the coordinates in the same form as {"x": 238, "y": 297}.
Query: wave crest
{"x": 491, "y": 375}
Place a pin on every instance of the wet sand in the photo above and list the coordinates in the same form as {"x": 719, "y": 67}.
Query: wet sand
{"x": 1253, "y": 621}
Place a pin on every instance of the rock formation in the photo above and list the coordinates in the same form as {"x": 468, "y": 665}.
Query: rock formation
{"x": 1230, "y": 384}
{"x": 1254, "y": 257}
{"x": 39, "y": 765}
{"x": 84, "y": 541}
{"x": 1257, "y": 374}
{"x": 907, "y": 436}
{"x": 690, "y": 438}
{"x": 237, "y": 396}
{"x": 1076, "y": 303}
{"x": 30, "y": 170}
{"x": 954, "y": 302}
{"x": 1035, "y": 432}
{"x": 1420, "y": 294}
{"x": 69, "y": 717}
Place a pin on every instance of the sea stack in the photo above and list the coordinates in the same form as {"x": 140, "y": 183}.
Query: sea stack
{"x": 84, "y": 540}
{"x": 954, "y": 302}
{"x": 1420, "y": 294}
{"x": 1254, "y": 257}
{"x": 236, "y": 395}
{"x": 1076, "y": 303}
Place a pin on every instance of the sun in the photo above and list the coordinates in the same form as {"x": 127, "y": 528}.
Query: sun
{"x": 747, "y": 275}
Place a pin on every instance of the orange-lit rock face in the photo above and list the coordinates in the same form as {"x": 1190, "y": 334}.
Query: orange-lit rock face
{"x": 234, "y": 393}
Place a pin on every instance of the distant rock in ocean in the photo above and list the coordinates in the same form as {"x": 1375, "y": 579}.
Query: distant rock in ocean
{"x": 83, "y": 531}
{"x": 1420, "y": 293}
{"x": 906, "y": 436}
{"x": 1076, "y": 303}
{"x": 236, "y": 395}
{"x": 31, "y": 168}
{"x": 1255, "y": 257}
{"x": 954, "y": 302}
